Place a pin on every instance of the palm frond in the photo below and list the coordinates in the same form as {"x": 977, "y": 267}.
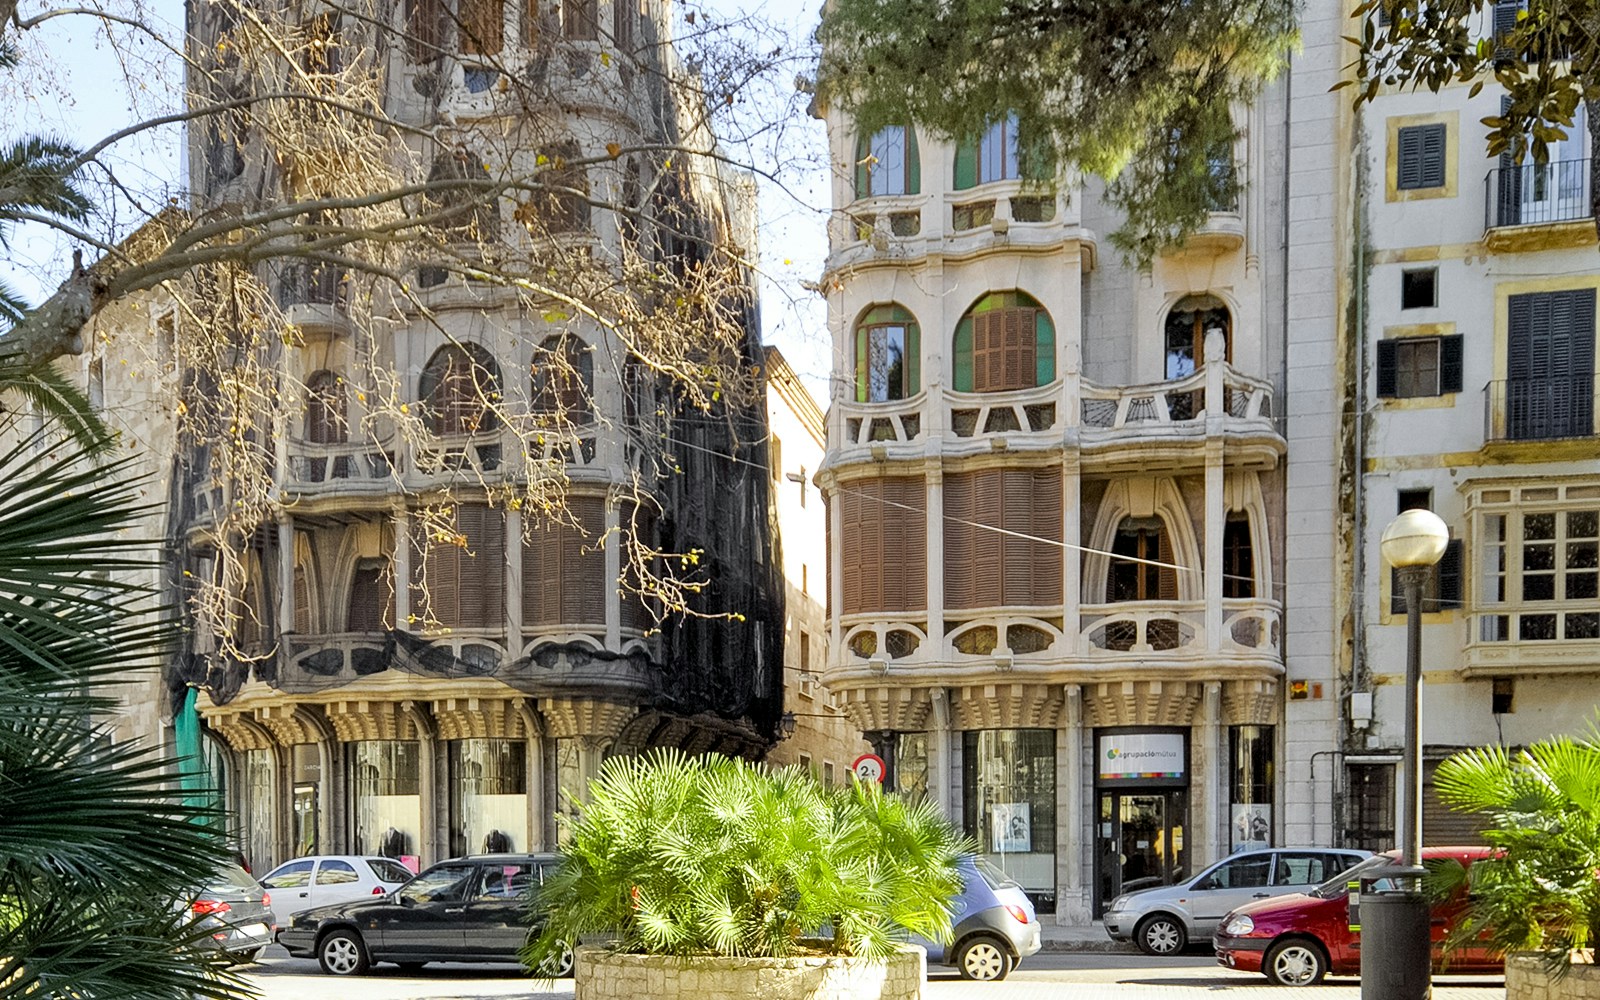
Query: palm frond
{"x": 36, "y": 175}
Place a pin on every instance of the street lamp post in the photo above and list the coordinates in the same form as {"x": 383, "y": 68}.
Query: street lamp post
{"x": 1397, "y": 964}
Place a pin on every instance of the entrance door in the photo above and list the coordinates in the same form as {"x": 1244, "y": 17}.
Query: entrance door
{"x": 1139, "y": 841}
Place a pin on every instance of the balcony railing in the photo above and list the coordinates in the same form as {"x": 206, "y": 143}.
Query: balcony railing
{"x": 340, "y": 465}
{"x": 1117, "y": 407}
{"x": 1537, "y": 194}
{"x": 1539, "y": 409}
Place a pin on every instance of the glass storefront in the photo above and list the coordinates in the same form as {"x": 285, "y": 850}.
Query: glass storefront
{"x": 1008, "y": 780}
{"x": 488, "y": 796}
{"x": 911, "y": 766}
{"x": 386, "y": 799}
{"x": 258, "y": 810}
{"x": 1142, "y": 810}
{"x": 1250, "y": 760}
{"x": 307, "y": 799}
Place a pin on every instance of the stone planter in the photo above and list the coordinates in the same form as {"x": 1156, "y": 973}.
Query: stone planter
{"x": 601, "y": 974}
{"x": 1527, "y": 980}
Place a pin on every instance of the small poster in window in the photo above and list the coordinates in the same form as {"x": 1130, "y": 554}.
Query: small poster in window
{"x": 1252, "y": 826}
{"x": 1011, "y": 828}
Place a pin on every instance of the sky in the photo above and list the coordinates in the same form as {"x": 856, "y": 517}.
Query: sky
{"x": 76, "y": 85}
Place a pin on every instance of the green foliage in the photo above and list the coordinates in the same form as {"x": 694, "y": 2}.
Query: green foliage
{"x": 97, "y": 853}
{"x": 1542, "y": 891}
{"x": 688, "y": 856}
{"x": 1137, "y": 93}
{"x": 1547, "y": 61}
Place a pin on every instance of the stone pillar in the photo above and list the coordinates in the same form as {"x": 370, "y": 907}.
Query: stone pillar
{"x": 613, "y": 561}
{"x": 1071, "y": 554}
{"x": 533, "y": 728}
{"x": 513, "y": 571}
{"x": 836, "y": 578}
{"x": 402, "y": 570}
{"x": 1209, "y": 782}
{"x": 431, "y": 787}
{"x": 1072, "y": 848}
{"x": 940, "y": 753}
{"x": 285, "y": 576}
{"x": 1216, "y": 512}
{"x": 935, "y": 554}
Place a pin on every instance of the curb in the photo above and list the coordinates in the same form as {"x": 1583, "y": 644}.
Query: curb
{"x": 1104, "y": 947}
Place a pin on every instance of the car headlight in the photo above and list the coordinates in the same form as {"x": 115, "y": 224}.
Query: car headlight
{"x": 1119, "y": 902}
{"x": 1238, "y": 926}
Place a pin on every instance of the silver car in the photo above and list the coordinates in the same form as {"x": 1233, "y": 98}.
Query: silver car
{"x": 1163, "y": 920}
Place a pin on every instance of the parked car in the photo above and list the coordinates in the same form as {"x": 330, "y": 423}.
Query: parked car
{"x": 461, "y": 910}
{"x": 994, "y": 923}
{"x": 1296, "y": 940}
{"x": 237, "y": 912}
{"x": 1162, "y": 921}
{"x": 327, "y": 879}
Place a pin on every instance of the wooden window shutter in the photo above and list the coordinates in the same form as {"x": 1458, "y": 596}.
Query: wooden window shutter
{"x": 1408, "y": 164}
{"x": 1449, "y": 577}
{"x": 850, "y": 504}
{"x": 1433, "y": 155}
{"x": 370, "y": 599}
{"x": 958, "y": 538}
{"x": 624, "y": 15}
{"x": 1166, "y": 576}
{"x": 439, "y": 577}
{"x": 912, "y": 564}
{"x": 1016, "y": 554}
{"x": 541, "y": 577}
{"x": 1450, "y": 363}
{"x": 302, "y": 602}
{"x": 1388, "y": 368}
{"x": 425, "y": 26}
{"x": 482, "y": 27}
{"x": 1046, "y": 559}
{"x": 988, "y": 554}
{"x": 987, "y": 352}
{"x": 584, "y": 587}
{"x": 869, "y": 543}
{"x": 481, "y": 576}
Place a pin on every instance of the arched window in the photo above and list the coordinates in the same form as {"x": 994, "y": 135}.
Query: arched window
{"x": 1186, "y": 328}
{"x": 887, "y": 163}
{"x": 563, "y": 203}
{"x": 1133, "y": 575}
{"x": 1005, "y": 341}
{"x": 465, "y": 213}
{"x": 563, "y": 378}
{"x": 458, "y": 388}
{"x": 326, "y": 422}
{"x": 888, "y": 355}
{"x": 1000, "y": 154}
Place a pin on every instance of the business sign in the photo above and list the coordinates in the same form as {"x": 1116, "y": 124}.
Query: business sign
{"x": 1141, "y": 755}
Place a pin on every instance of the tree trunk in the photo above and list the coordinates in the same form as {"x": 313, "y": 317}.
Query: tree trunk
{"x": 56, "y": 326}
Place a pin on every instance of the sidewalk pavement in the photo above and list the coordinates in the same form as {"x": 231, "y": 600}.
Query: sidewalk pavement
{"x": 1081, "y": 937}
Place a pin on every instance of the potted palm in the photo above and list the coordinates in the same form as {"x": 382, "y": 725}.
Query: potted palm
{"x": 1538, "y": 898}
{"x": 717, "y": 877}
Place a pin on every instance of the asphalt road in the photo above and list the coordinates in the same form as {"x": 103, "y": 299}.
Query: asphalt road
{"x": 1048, "y": 976}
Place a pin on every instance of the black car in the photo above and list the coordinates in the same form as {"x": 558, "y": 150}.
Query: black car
{"x": 462, "y": 910}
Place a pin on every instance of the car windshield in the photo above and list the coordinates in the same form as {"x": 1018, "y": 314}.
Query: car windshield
{"x": 231, "y": 878}
{"x": 993, "y": 875}
{"x": 389, "y": 871}
{"x": 1339, "y": 884}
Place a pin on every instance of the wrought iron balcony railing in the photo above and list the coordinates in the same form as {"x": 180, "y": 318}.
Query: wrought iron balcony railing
{"x": 1545, "y": 408}
{"x": 1537, "y": 194}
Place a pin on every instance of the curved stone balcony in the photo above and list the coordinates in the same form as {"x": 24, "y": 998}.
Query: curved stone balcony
{"x": 1161, "y": 637}
{"x": 1000, "y": 421}
{"x": 345, "y": 468}
{"x": 1159, "y": 424}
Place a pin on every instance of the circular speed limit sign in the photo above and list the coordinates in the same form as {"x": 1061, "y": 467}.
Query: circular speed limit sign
{"x": 869, "y": 767}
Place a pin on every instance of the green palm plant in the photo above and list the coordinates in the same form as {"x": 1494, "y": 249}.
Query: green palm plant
{"x": 680, "y": 855}
{"x": 97, "y": 852}
{"x": 1541, "y": 890}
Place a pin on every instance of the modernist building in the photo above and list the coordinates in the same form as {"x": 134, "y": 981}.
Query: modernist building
{"x": 1472, "y": 348}
{"x": 1055, "y": 490}
{"x": 391, "y": 686}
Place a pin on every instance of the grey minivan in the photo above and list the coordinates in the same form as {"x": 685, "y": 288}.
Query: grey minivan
{"x": 1163, "y": 920}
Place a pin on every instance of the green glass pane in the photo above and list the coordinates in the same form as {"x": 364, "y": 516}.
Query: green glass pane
{"x": 861, "y": 363}
{"x": 913, "y": 359}
{"x": 1044, "y": 349}
{"x": 913, "y": 163}
{"x": 862, "y": 180}
{"x": 966, "y": 166}
{"x": 963, "y": 353}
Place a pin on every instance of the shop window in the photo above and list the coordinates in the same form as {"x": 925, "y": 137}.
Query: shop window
{"x": 459, "y": 388}
{"x": 258, "y": 812}
{"x": 1141, "y": 566}
{"x": 887, "y": 163}
{"x": 884, "y": 520}
{"x": 1186, "y": 327}
{"x": 1251, "y": 780}
{"x": 1005, "y": 341}
{"x": 888, "y": 355}
{"x": 488, "y": 796}
{"x": 1020, "y": 564}
{"x": 1009, "y": 804}
{"x": 386, "y": 802}
{"x": 909, "y": 765}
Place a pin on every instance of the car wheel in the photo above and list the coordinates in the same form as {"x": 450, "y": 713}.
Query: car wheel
{"x": 983, "y": 959}
{"x": 342, "y": 953}
{"x": 1161, "y": 934}
{"x": 1295, "y": 963}
{"x": 559, "y": 967}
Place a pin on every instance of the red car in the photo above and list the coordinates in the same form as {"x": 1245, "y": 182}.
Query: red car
{"x": 1296, "y": 940}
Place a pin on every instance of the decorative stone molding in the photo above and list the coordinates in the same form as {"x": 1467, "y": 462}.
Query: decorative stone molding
{"x": 1006, "y": 706}
{"x": 599, "y": 974}
{"x": 477, "y": 718}
{"x": 1251, "y": 703}
{"x": 354, "y": 721}
{"x": 878, "y": 708}
{"x": 1526, "y": 979}
{"x": 585, "y": 718}
{"x": 239, "y": 730}
{"x": 292, "y": 724}
{"x": 1142, "y": 703}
